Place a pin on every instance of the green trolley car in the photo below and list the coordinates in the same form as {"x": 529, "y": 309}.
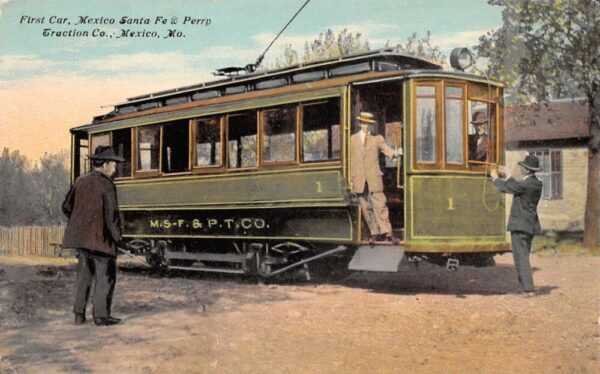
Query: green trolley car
{"x": 250, "y": 173}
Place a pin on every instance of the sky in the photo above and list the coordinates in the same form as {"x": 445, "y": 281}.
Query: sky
{"x": 51, "y": 83}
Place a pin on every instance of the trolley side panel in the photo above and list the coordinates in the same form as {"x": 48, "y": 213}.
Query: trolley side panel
{"x": 292, "y": 187}
{"x": 455, "y": 208}
{"x": 324, "y": 224}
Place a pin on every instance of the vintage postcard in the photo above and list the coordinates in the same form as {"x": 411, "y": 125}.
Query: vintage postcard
{"x": 302, "y": 186}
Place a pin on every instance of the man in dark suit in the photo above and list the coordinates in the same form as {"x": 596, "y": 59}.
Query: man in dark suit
{"x": 94, "y": 229}
{"x": 523, "y": 221}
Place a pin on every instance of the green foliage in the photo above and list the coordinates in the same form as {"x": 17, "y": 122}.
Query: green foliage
{"x": 545, "y": 49}
{"x": 32, "y": 195}
{"x": 329, "y": 45}
{"x": 421, "y": 48}
{"x": 550, "y": 50}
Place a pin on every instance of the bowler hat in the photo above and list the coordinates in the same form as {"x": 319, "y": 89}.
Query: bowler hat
{"x": 366, "y": 117}
{"x": 103, "y": 152}
{"x": 531, "y": 163}
{"x": 479, "y": 118}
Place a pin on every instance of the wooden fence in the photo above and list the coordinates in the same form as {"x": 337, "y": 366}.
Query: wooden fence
{"x": 31, "y": 240}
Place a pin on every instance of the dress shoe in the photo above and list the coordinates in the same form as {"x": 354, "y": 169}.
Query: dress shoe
{"x": 114, "y": 319}
{"x": 79, "y": 319}
{"x": 106, "y": 321}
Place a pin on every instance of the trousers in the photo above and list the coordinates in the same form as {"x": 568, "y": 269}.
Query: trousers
{"x": 375, "y": 212}
{"x": 521, "y": 246}
{"x": 103, "y": 269}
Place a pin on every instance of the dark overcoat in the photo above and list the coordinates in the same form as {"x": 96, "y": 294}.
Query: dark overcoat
{"x": 91, "y": 206}
{"x": 523, "y": 212}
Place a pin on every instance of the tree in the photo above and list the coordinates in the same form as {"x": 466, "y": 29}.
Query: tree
{"x": 32, "y": 195}
{"x": 329, "y": 45}
{"x": 549, "y": 50}
{"x": 51, "y": 182}
{"x": 421, "y": 48}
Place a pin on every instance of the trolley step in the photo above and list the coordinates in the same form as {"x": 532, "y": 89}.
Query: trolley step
{"x": 384, "y": 258}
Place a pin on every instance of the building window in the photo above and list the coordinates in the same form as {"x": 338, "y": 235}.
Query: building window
{"x": 551, "y": 173}
{"x": 279, "y": 134}
{"x": 208, "y": 142}
{"x": 148, "y": 148}
{"x": 241, "y": 138}
{"x": 321, "y": 131}
{"x": 426, "y": 124}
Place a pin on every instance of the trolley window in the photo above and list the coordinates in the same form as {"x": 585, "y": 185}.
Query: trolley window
{"x": 148, "y": 148}
{"x": 175, "y": 147}
{"x": 426, "y": 124}
{"x": 241, "y": 139}
{"x": 279, "y": 134}
{"x": 121, "y": 140}
{"x": 98, "y": 140}
{"x": 321, "y": 131}
{"x": 80, "y": 161}
{"x": 482, "y": 131}
{"x": 207, "y": 149}
{"x": 454, "y": 119}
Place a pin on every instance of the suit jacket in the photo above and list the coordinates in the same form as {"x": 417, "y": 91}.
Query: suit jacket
{"x": 364, "y": 162}
{"x": 523, "y": 212}
{"x": 91, "y": 206}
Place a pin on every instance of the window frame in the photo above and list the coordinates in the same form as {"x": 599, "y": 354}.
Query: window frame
{"x": 147, "y": 173}
{"x": 261, "y": 135}
{"x": 227, "y": 155}
{"x": 465, "y": 151}
{"x": 193, "y": 151}
{"x": 552, "y": 195}
{"x": 131, "y": 130}
{"x": 472, "y": 91}
{"x": 438, "y": 161}
{"x": 300, "y": 146}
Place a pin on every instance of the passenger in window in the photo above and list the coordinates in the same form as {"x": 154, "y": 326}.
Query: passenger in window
{"x": 479, "y": 143}
{"x": 367, "y": 181}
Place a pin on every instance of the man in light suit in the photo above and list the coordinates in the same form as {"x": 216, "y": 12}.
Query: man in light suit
{"x": 523, "y": 221}
{"x": 366, "y": 176}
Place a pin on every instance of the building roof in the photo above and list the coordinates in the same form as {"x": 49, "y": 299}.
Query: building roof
{"x": 561, "y": 119}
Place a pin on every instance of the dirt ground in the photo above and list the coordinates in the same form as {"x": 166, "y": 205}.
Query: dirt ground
{"x": 423, "y": 319}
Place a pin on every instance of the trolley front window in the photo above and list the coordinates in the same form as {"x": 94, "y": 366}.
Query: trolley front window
{"x": 426, "y": 124}
{"x": 454, "y": 115}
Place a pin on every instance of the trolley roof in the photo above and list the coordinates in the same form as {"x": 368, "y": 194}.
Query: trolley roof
{"x": 384, "y": 60}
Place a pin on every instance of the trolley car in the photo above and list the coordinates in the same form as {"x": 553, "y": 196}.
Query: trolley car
{"x": 250, "y": 173}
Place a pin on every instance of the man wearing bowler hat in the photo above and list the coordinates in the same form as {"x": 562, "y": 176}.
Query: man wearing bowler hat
{"x": 479, "y": 143}
{"x": 367, "y": 181}
{"x": 94, "y": 230}
{"x": 523, "y": 221}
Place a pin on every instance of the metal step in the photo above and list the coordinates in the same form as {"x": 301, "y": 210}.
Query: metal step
{"x": 384, "y": 258}
{"x": 209, "y": 269}
{"x": 219, "y": 257}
